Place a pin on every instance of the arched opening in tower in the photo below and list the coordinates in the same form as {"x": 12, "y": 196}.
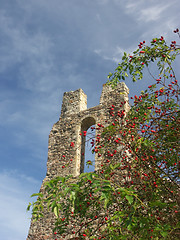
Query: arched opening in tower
{"x": 87, "y": 144}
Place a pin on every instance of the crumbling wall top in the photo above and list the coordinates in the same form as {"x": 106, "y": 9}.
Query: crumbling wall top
{"x": 108, "y": 92}
{"x": 73, "y": 102}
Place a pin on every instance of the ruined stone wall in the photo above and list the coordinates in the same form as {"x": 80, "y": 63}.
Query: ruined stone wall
{"x": 63, "y": 159}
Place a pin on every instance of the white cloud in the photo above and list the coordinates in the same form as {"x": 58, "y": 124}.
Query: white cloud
{"x": 152, "y": 19}
{"x": 115, "y": 55}
{"x": 15, "y": 190}
{"x": 152, "y": 13}
{"x": 32, "y": 51}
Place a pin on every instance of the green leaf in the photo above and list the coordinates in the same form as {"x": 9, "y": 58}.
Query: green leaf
{"x": 164, "y": 234}
{"x": 37, "y": 195}
{"x": 28, "y": 207}
{"x": 106, "y": 202}
{"x": 55, "y": 210}
{"x": 129, "y": 198}
{"x": 123, "y": 78}
{"x": 134, "y": 79}
{"x": 126, "y": 75}
{"x": 73, "y": 196}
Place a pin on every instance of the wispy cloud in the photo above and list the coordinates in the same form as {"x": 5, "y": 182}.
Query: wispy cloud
{"x": 32, "y": 52}
{"x": 15, "y": 190}
{"x": 152, "y": 13}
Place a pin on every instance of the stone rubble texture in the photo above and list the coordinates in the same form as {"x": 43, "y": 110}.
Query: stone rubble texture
{"x": 74, "y": 119}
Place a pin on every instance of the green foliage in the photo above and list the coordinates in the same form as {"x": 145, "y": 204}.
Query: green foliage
{"x": 135, "y": 193}
{"x": 158, "y": 51}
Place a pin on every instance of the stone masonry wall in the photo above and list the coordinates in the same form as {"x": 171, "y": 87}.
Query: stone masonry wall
{"x": 74, "y": 119}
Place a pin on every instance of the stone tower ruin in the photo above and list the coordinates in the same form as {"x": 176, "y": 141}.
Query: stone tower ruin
{"x": 74, "y": 119}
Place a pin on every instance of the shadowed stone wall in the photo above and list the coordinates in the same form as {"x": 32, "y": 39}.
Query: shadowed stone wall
{"x": 66, "y": 145}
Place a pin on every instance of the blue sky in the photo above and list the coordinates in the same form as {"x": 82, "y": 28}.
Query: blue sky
{"x": 48, "y": 47}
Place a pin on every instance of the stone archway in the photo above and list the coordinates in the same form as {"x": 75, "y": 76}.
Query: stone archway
{"x": 85, "y": 125}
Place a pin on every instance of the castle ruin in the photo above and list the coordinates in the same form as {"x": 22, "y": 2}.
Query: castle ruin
{"x": 74, "y": 119}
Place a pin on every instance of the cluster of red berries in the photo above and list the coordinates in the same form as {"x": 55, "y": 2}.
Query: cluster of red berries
{"x": 141, "y": 44}
{"x": 176, "y": 30}
{"x": 173, "y": 44}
